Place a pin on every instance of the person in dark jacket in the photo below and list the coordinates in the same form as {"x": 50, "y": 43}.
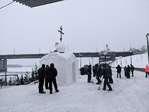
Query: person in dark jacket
{"x": 41, "y": 76}
{"x": 22, "y": 80}
{"x": 128, "y": 71}
{"x": 118, "y": 71}
{"x": 110, "y": 76}
{"x": 106, "y": 74}
{"x": 46, "y": 79}
{"x": 51, "y": 75}
{"x": 89, "y": 73}
{"x": 132, "y": 68}
{"x": 99, "y": 74}
{"x": 125, "y": 68}
{"x": 95, "y": 70}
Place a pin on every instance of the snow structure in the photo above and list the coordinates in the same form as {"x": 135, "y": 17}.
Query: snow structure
{"x": 65, "y": 63}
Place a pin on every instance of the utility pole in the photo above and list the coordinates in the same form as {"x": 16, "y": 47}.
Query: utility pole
{"x": 147, "y": 35}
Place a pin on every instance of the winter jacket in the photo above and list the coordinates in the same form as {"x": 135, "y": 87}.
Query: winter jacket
{"x": 147, "y": 68}
{"x": 89, "y": 69}
{"x": 99, "y": 71}
{"x": 51, "y": 73}
{"x": 106, "y": 73}
{"x": 128, "y": 69}
{"x": 118, "y": 69}
{"x": 41, "y": 73}
{"x": 132, "y": 68}
{"x": 95, "y": 69}
{"x": 110, "y": 71}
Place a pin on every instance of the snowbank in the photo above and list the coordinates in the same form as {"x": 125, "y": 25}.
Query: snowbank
{"x": 138, "y": 61}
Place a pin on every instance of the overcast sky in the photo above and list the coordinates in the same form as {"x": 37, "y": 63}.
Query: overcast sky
{"x": 88, "y": 26}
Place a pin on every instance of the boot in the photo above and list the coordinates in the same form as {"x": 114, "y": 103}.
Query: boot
{"x": 109, "y": 89}
{"x": 57, "y": 90}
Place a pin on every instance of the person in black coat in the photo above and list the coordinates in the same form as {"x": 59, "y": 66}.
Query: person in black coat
{"x": 125, "y": 69}
{"x": 99, "y": 74}
{"x": 51, "y": 75}
{"x": 132, "y": 68}
{"x": 106, "y": 74}
{"x": 128, "y": 71}
{"x": 46, "y": 79}
{"x": 118, "y": 71}
{"x": 95, "y": 70}
{"x": 110, "y": 76}
{"x": 41, "y": 76}
{"x": 89, "y": 73}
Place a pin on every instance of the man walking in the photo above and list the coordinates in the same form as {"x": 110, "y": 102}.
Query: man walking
{"x": 106, "y": 74}
{"x": 41, "y": 76}
{"x": 99, "y": 74}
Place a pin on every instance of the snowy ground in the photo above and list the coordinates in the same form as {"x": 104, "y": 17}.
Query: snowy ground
{"x": 128, "y": 95}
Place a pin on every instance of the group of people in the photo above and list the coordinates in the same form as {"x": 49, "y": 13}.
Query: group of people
{"x": 48, "y": 75}
{"x": 104, "y": 71}
{"x": 127, "y": 71}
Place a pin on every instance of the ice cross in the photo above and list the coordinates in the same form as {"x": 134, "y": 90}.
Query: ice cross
{"x": 61, "y": 33}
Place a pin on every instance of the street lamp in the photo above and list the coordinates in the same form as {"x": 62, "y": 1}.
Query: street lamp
{"x": 130, "y": 58}
{"x": 147, "y": 35}
{"x": 99, "y": 57}
{"x": 80, "y": 59}
{"x": 105, "y": 54}
{"x": 92, "y": 61}
{"x": 121, "y": 61}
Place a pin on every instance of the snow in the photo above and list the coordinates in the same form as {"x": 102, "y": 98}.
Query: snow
{"x": 128, "y": 95}
{"x": 60, "y": 47}
{"x": 66, "y": 65}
